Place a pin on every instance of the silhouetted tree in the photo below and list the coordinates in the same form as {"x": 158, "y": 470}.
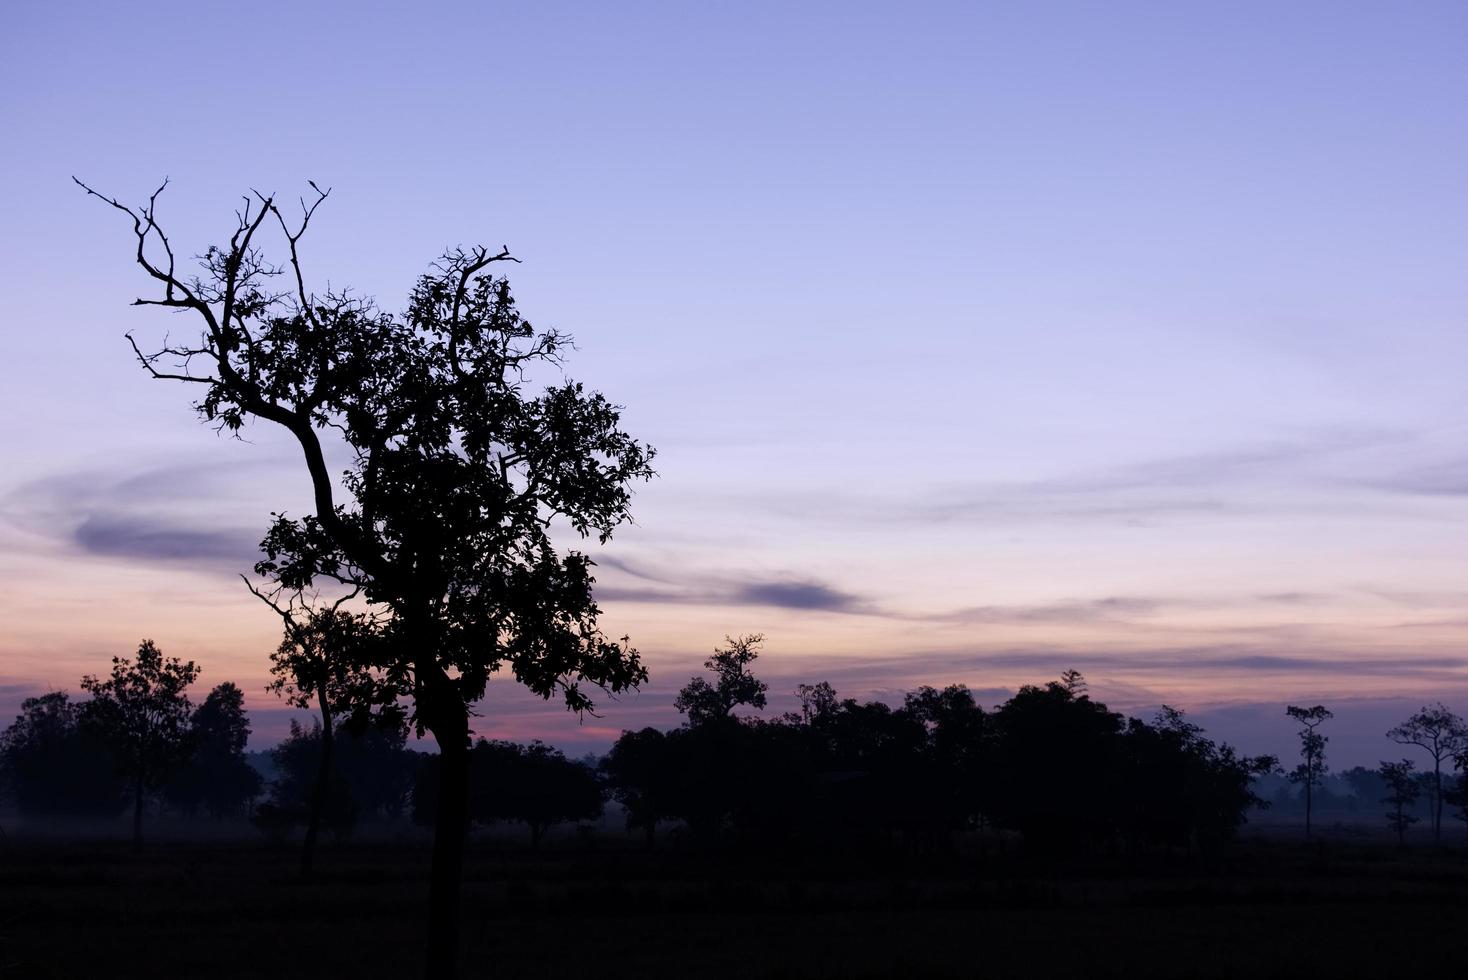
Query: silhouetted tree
{"x": 509, "y": 783}
{"x": 372, "y": 777}
{"x": 1456, "y": 795}
{"x": 533, "y": 784}
{"x": 816, "y": 700}
{"x": 1050, "y": 763}
{"x": 1366, "y": 784}
{"x": 142, "y": 711}
{"x": 1057, "y": 756}
{"x": 955, "y": 759}
{"x": 733, "y": 684}
{"x": 217, "y": 776}
{"x": 1312, "y": 768}
{"x": 1442, "y": 735}
{"x": 640, "y": 772}
{"x": 1403, "y": 788}
{"x": 877, "y": 773}
{"x": 378, "y": 768}
{"x": 52, "y": 765}
{"x": 325, "y": 657}
{"x": 1182, "y": 787}
{"x": 457, "y": 470}
{"x": 297, "y": 793}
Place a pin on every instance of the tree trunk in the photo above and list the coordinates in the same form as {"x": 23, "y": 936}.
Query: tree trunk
{"x": 318, "y": 793}
{"x": 138, "y": 811}
{"x": 1437, "y": 800}
{"x": 450, "y": 825}
{"x": 1308, "y": 800}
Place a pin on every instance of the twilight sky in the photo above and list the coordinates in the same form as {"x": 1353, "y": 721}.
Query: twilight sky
{"x": 978, "y": 340}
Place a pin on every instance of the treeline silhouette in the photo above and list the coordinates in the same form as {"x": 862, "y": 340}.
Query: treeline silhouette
{"x": 137, "y": 737}
{"x": 1051, "y": 766}
{"x": 1410, "y": 796}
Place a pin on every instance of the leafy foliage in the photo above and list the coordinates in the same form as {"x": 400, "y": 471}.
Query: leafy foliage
{"x": 371, "y": 775}
{"x": 509, "y": 783}
{"x": 1443, "y": 735}
{"x": 1312, "y": 769}
{"x": 217, "y": 777}
{"x": 465, "y": 447}
{"x": 142, "y": 711}
{"x": 1051, "y": 764}
{"x": 54, "y": 766}
{"x": 733, "y": 684}
{"x": 1403, "y": 789}
{"x": 326, "y": 655}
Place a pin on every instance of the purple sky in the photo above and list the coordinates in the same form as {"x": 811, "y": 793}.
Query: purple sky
{"x": 978, "y": 340}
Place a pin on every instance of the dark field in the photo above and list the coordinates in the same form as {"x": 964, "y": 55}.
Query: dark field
{"x": 1273, "y": 908}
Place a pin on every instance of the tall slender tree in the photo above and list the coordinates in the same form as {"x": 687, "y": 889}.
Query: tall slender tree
{"x": 1403, "y": 788}
{"x": 1311, "y": 771}
{"x": 142, "y": 710}
{"x": 464, "y": 447}
{"x": 1442, "y": 734}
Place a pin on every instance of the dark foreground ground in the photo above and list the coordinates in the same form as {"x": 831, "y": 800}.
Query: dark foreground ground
{"x": 1275, "y": 908}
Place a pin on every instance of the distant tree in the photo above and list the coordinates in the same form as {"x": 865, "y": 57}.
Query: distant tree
{"x": 1442, "y": 735}
{"x": 464, "y": 447}
{"x": 956, "y": 757}
{"x": 733, "y": 684}
{"x": 53, "y": 766}
{"x": 1366, "y": 784}
{"x": 1457, "y": 795}
{"x": 1183, "y": 788}
{"x": 876, "y": 775}
{"x": 372, "y": 776}
{"x": 325, "y": 656}
{"x": 641, "y": 776}
{"x": 1312, "y": 769}
{"x": 1403, "y": 789}
{"x": 142, "y": 711}
{"x": 217, "y": 777}
{"x": 1058, "y": 754}
{"x": 297, "y": 793}
{"x": 719, "y": 773}
{"x": 276, "y": 822}
{"x": 816, "y": 700}
{"x": 532, "y": 784}
{"x": 377, "y": 767}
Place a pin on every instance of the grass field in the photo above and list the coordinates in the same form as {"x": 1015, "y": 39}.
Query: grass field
{"x": 1273, "y": 908}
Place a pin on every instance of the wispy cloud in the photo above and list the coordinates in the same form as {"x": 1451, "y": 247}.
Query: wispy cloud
{"x": 1191, "y": 483}
{"x": 1437, "y": 479}
{"x": 143, "y": 537}
{"x": 169, "y": 515}
{"x": 1293, "y": 598}
{"x": 813, "y": 596}
{"x": 779, "y": 592}
{"x": 1110, "y": 608}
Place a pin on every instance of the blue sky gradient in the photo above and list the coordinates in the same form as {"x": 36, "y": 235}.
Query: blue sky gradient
{"x": 978, "y": 340}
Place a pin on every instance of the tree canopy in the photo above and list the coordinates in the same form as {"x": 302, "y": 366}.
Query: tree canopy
{"x": 464, "y": 447}
{"x": 142, "y": 710}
